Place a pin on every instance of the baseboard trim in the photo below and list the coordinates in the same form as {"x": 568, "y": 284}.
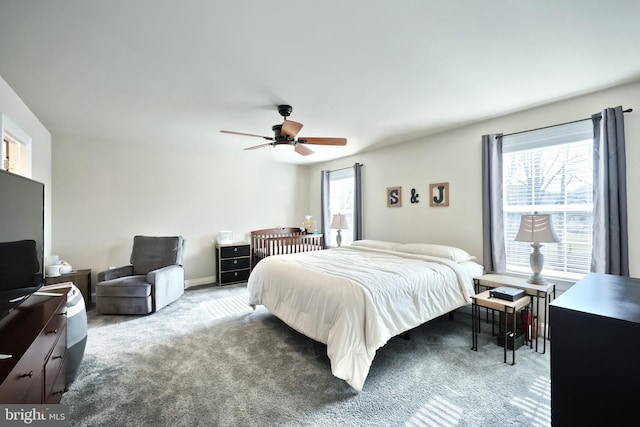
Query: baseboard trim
{"x": 199, "y": 281}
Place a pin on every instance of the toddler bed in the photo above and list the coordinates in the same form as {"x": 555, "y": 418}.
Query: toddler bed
{"x": 282, "y": 240}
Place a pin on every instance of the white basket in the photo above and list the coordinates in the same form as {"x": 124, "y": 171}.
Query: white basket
{"x": 225, "y": 236}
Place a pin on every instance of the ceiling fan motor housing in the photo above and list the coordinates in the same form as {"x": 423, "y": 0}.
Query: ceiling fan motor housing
{"x": 285, "y": 110}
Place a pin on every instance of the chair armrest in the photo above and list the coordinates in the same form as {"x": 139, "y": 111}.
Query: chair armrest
{"x": 167, "y": 284}
{"x": 165, "y": 274}
{"x": 115, "y": 273}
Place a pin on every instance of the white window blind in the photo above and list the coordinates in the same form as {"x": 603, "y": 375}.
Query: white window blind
{"x": 551, "y": 171}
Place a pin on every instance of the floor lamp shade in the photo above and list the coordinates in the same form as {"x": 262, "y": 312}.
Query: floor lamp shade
{"x": 537, "y": 229}
{"x": 339, "y": 222}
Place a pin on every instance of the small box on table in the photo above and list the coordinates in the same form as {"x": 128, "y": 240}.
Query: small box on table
{"x": 507, "y": 293}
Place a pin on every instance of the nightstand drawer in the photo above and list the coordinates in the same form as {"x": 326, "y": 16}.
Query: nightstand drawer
{"x": 234, "y": 251}
{"x": 234, "y": 276}
{"x": 234, "y": 264}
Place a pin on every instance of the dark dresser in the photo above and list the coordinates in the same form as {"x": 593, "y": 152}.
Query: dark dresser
{"x": 234, "y": 262}
{"x": 595, "y": 352}
{"x": 35, "y": 336}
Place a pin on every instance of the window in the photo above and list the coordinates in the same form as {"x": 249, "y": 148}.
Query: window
{"x": 15, "y": 150}
{"x": 550, "y": 171}
{"x": 342, "y": 201}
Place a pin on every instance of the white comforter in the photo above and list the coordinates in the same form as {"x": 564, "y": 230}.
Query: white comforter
{"x": 355, "y": 299}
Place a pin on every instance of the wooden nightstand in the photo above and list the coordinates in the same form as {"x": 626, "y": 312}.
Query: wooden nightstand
{"x": 234, "y": 262}
{"x": 80, "y": 278}
{"x": 540, "y": 293}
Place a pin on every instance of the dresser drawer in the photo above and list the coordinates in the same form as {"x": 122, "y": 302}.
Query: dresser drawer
{"x": 59, "y": 386}
{"x": 55, "y": 368}
{"x": 234, "y": 264}
{"x": 234, "y": 276}
{"x": 24, "y": 380}
{"x": 234, "y": 251}
{"x": 51, "y": 332}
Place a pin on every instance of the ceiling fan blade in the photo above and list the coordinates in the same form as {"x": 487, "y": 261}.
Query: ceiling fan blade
{"x": 290, "y": 128}
{"x": 301, "y": 149}
{"x": 270, "y": 138}
{"x": 323, "y": 141}
{"x": 258, "y": 146}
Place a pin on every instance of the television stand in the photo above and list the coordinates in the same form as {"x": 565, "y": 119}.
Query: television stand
{"x": 34, "y": 336}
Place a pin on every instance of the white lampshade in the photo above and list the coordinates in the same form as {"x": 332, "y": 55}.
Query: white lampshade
{"x": 536, "y": 228}
{"x": 339, "y": 222}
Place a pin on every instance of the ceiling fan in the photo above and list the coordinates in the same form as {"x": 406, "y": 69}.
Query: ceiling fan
{"x": 285, "y": 135}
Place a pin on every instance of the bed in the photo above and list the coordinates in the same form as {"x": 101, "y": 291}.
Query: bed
{"x": 355, "y": 298}
{"x": 282, "y": 240}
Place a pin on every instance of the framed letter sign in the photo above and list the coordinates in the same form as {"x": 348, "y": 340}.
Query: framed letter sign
{"x": 394, "y": 197}
{"x": 439, "y": 194}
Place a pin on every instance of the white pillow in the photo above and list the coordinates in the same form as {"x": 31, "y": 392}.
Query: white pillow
{"x": 473, "y": 268}
{"x": 376, "y": 244}
{"x": 440, "y": 251}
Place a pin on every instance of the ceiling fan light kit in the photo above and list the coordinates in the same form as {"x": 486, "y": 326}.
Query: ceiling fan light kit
{"x": 284, "y": 136}
{"x": 280, "y": 146}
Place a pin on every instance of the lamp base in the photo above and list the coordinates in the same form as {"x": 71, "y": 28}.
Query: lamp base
{"x": 536, "y": 260}
{"x": 537, "y": 280}
{"x": 338, "y": 238}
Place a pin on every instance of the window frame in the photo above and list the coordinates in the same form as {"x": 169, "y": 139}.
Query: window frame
{"x": 560, "y": 136}
{"x": 334, "y": 208}
{"x": 16, "y": 147}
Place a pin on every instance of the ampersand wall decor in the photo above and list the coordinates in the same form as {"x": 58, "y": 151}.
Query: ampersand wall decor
{"x": 414, "y": 196}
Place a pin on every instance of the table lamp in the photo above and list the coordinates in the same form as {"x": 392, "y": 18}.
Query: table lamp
{"x": 339, "y": 222}
{"x": 536, "y": 228}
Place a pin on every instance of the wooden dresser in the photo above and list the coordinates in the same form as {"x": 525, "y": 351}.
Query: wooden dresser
{"x": 35, "y": 335}
{"x": 80, "y": 278}
{"x": 595, "y": 352}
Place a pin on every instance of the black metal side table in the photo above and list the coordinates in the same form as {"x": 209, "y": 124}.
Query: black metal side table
{"x": 509, "y": 308}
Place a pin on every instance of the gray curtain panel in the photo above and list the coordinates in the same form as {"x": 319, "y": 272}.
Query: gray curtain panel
{"x": 610, "y": 250}
{"x": 325, "y": 217}
{"x": 357, "y": 204}
{"x": 494, "y": 256}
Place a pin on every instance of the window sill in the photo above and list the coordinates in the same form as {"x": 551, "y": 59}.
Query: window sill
{"x": 562, "y": 283}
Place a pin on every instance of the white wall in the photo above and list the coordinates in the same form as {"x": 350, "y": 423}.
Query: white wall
{"x": 455, "y": 157}
{"x": 106, "y": 192}
{"x": 13, "y": 107}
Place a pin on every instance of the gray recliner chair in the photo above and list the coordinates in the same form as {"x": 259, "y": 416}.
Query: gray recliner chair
{"x": 154, "y": 279}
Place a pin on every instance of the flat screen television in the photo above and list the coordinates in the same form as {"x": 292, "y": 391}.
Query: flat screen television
{"x": 21, "y": 239}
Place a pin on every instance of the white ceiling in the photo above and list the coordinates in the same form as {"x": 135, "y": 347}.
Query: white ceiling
{"x": 375, "y": 72}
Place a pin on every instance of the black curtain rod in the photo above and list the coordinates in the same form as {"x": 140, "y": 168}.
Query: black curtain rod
{"x": 628, "y": 110}
{"x": 347, "y": 167}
